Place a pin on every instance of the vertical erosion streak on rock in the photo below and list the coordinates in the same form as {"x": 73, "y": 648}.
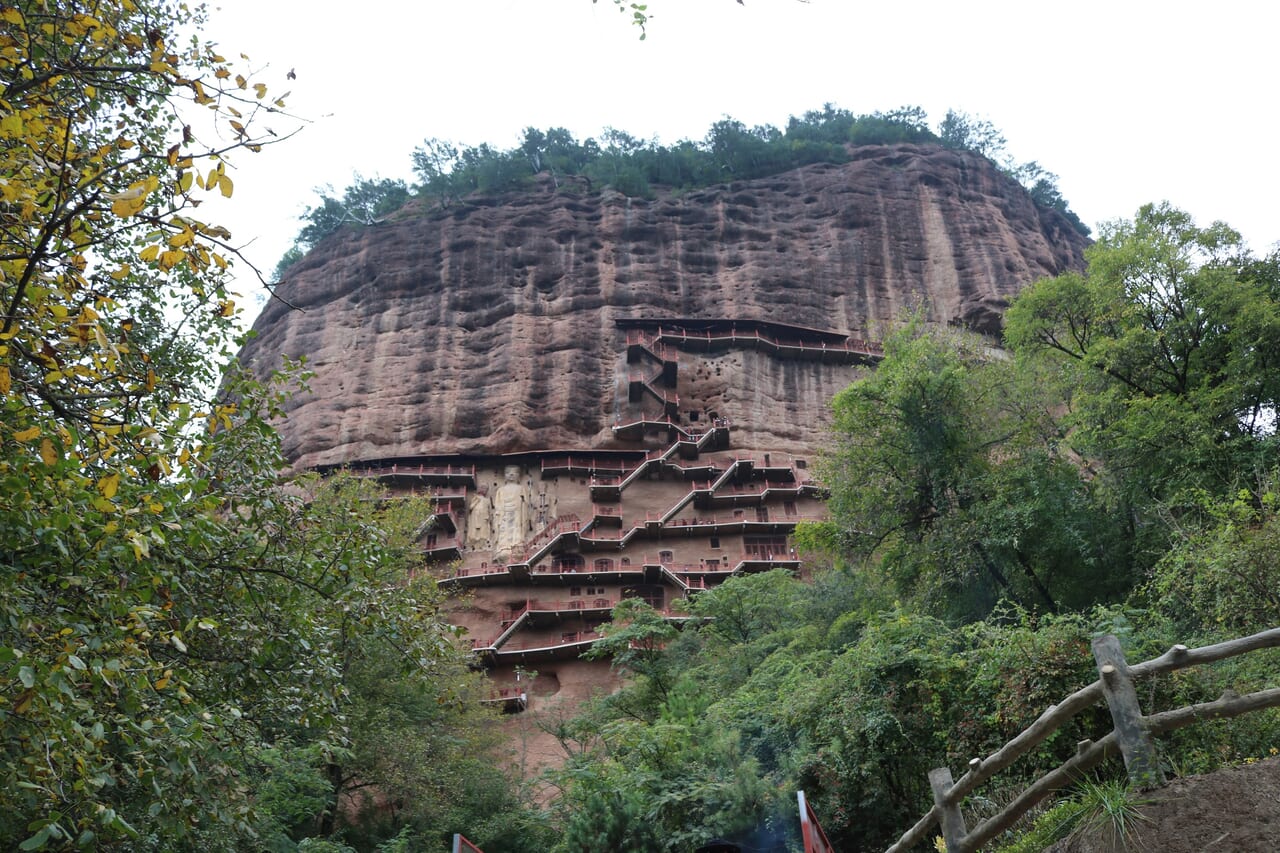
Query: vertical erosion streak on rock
{"x": 941, "y": 279}
{"x": 488, "y": 326}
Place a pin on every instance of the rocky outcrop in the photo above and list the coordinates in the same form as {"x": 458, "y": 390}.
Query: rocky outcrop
{"x": 491, "y": 326}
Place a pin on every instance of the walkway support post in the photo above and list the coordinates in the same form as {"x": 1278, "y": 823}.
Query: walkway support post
{"x": 1140, "y": 758}
{"x": 953, "y": 828}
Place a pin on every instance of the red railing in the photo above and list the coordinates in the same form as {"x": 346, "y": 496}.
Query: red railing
{"x": 720, "y": 521}
{"x": 567, "y": 638}
{"x": 854, "y": 346}
{"x": 462, "y": 845}
{"x": 487, "y": 570}
{"x": 563, "y": 605}
{"x": 584, "y": 463}
{"x": 418, "y": 471}
{"x": 561, "y": 524}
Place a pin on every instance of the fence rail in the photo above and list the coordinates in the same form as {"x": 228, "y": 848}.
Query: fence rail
{"x": 1130, "y": 738}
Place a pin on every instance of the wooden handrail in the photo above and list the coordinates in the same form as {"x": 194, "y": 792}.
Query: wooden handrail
{"x": 1089, "y": 753}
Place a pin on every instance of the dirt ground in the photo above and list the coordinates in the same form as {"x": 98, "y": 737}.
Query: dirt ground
{"x": 1231, "y": 811}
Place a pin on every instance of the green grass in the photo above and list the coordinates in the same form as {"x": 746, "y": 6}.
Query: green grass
{"x": 1107, "y": 809}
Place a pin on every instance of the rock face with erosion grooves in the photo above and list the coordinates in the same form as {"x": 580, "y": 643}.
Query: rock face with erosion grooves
{"x": 609, "y": 397}
{"x": 489, "y": 327}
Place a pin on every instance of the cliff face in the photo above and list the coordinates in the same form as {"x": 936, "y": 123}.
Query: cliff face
{"x": 491, "y": 326}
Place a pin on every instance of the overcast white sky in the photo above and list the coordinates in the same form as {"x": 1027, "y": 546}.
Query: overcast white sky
{"x": 1128, "y": 102}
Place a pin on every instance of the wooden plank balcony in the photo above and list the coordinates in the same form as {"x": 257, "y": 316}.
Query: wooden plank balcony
{"x": 484, "y": 576}
{"x": 512, "y": 699}
{"x": 606, "y": 514}
{"x": 439, "y": 548}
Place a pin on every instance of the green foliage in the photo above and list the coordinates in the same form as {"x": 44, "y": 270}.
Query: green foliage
{"x": 947, "y": 477}
{"x": 288, "y": 259}
{"x": 1169, "y": 344}
{"x": 963, "y": 131}
{"x": 1223, "y": 572}
{"x": 363, "y": 202}
{"x": 1109, "y": 812}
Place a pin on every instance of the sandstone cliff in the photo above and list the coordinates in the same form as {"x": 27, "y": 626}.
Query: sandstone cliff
{"x": 490, "y": 326}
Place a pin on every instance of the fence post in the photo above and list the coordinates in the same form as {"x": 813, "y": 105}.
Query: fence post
{"x": 950, "y": 819}
{"x": 1140, "y": 758}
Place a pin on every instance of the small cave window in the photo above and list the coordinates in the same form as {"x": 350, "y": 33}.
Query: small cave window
{"x": 693, "y": 417}
{"x": 802, "y": 464}
{"x": 604, "y": 564}
{"x": 666, "y": 557}
{"x": 626, "y": 561}
{"x": 715, "y": 541}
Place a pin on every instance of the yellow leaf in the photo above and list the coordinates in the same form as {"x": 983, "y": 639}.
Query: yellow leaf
{"x": 126, "y": 207}
{"x": 222, "y": 73}
{"x": 47, "y": 453}
{"x": 162, "y": 683}
{"x": 240, "y": 81}
{"x": 5, "y": 382}
{"x": 53, "y": 376}
{"x": 26, "y": 434}
{"x": 260, "y": 89}
{"x": 184, "y": 182}
{"x": 224, "y": 184}
{"x": 150, "y": 253}
{"x": 11, "y": 15}
{"x": 109, "y": 484}
{"x": 11, "y": 125}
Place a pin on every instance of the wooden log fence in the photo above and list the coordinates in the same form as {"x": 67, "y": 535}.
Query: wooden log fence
{"x": 1130, "y": 738}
